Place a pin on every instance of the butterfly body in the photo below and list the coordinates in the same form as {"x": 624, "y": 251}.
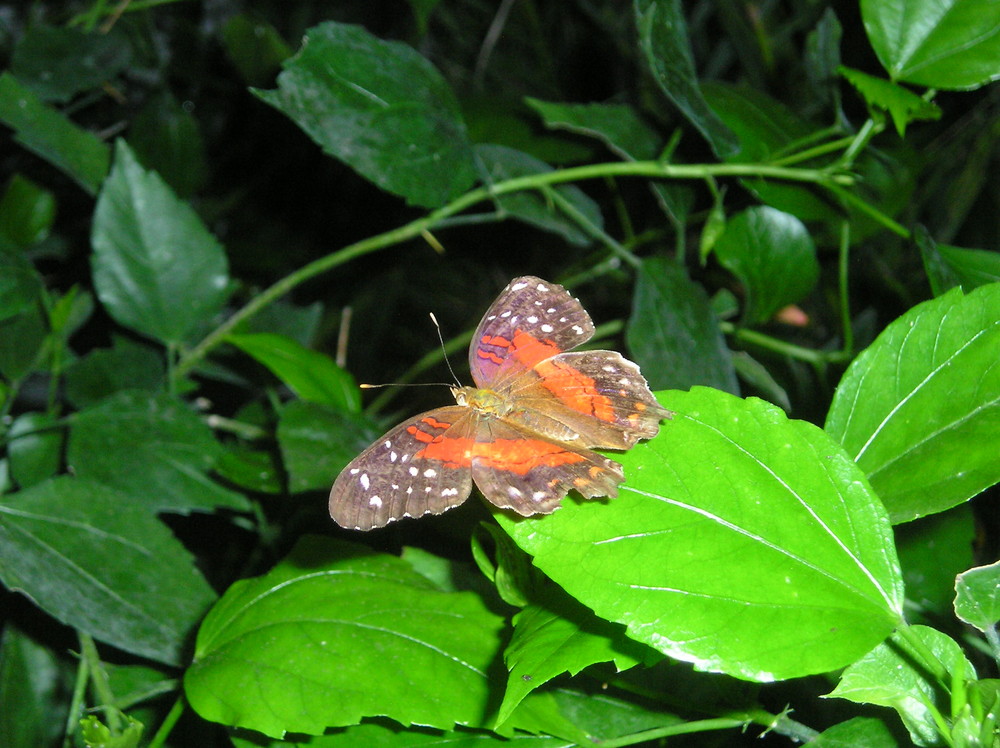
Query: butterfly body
{"x": 524, "y": 434}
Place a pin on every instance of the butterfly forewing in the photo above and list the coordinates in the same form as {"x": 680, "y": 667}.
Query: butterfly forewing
{"x": 531, "y": 320}
{"x": 417, "y": 468}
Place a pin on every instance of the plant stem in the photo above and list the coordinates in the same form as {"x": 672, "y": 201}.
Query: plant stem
{"x": 168, "y": 724}
{"x": 651, "y": 169}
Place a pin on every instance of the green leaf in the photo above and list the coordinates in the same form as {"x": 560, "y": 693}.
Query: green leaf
{"x": 126, "y": 365}
{"x": 896, "y": 674}
{"x": 255, "y": 48}
{"x": 742, "y": 541}
{"x": 773, "y": 255}
{"x": 154, "y": 449}
{"x": 977, "y": 599}
{"x": 672, "y": 332}
{"x": 323, "y": 639}
{"x": 664, "y": 41}
{"x": 166, "y": 139}
{"x": 30, "y": 330}
{"x": 309, "y": 374}
{"x": 317, "y": 442}
{"x": 156, "y": 267}
{"x": 618, "y": 126}
{"x": 49, "y": 134}
{"x": 381, "y": 108}
{"x": 32, "y": 708}
{"x": 557, "y": 636}
{"x": 387, "y": 735}
{"x": 949, "y": 266}
{"x": 20, "y": 286}
{"x": 27, "y": 212}
{"x": 35, "y": 450}
{"x": 903, "y": 105}
{"x": 919, "y": 409}
{"x": 84, "y": 553}
{"x": 866, "y": 731}
{"x": 933, "y": 551}
{"x": 57, "y": 63}
{"x": 949, "y": 44}
{"x": 537, "y": 209}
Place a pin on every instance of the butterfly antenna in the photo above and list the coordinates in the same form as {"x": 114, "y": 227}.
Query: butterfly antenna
{"x": 443, "y": 350}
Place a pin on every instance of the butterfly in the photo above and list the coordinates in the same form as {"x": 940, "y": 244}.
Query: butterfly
{"x": 524, "y": 434}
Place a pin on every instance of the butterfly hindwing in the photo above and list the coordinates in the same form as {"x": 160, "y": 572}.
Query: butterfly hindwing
{"x": 530, "y": 321}
{"x": 599, "y": 395}
{"x": 518, "y": 470}
{"x": 419, "y": 467}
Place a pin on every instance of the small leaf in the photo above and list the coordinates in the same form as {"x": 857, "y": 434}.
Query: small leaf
{"x": 618, "y": 126}
{"x": 156, "y": 267}
{"x": 126, "y": 365}
{"x": 32, "y": 691}
{"x": 866, "y": 731}
{"x": 317, "y": 442}
{"x": 947, "y": 266}
{"x": 977, "y": 600}
{"x": 664, "y": 40}
{"x": 673, "y": 334}
{"x": 152, "y": 448}
{"x": 896, "y": 674}
{"x": 948, "y": 44}
{"x": 503, "y": 163}
{"x": 49, "y": 134}
{"x": 35, "y": 449}
{"x": 30, "y": 330}
{"x": 85, "y": 554}
{"x": 919, "y": 409}
{"x": 381, "y": 108}
{"x": 773, "y": 255}
{"x": 903, "y": 105}
{"x": 27, "y": 212}
{"x": 742, "y": 541}
{"x": 166, "y": 139}
{"x": 560, "y": 635}
{"x": 20, "y": 285}
{"x": 282, "y": 652}
{"x": 309, "y": 374}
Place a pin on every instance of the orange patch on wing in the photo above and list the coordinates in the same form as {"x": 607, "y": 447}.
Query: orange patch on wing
{"x": 522, "y": 455}
{"x": 529, "y": 350}
{"x": 575, "y": 389}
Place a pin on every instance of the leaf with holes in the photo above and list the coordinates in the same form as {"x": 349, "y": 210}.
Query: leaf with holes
{"x": 919, "y": 409}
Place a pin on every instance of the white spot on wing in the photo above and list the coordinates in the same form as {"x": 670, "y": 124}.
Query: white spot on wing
{"x": 505, "y": 315}
{"x": 375, "y": 501}
{"x": 355, "y": 471}
{"x": 430, "y": 473}
{"x": 365, "y": 483}
{"x": 542, "y": 287}
{"x": 518, "y": 286}
{"x": 387, "y": 444}
{"x": 532, "y": 319}
{"x": 547, "y": 328}
{"x": 393, "y": 457}
{"x": 450, "y": 492}
{"x": 538, "y": 495}
{"x": 413, "y": 470}
{"x": 577, "y": 329}
{"x": 514, "y": 493}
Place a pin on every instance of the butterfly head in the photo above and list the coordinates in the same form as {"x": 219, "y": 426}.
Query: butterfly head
{"x": 483, "y": 400}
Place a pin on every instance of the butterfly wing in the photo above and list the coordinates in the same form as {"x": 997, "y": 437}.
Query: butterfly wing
{"x": 598, "y": 399}
{"x": 530, "y": 321}
{"x": 420, "y": 467}
{"x": 519, "y": 470}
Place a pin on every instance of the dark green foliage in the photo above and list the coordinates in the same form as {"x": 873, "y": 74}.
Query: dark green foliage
{"x": 786, "y": 214}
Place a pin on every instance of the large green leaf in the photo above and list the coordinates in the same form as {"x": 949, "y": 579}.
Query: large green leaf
{"x": 92, "y": 558}
{"x": 381, "y": 108}
{"x": 309, "y": 374}
{"x": 772, "y": 253}
{"x": 336, "y": 633}
{"x": 919, "y": 409}
{"x": 673, "y": 333}
{"x": 48, "y": 133}
{"x": 152, "y": 448}
{"x": 502, "y": 163}
{"x": 156, "y": 267}
{"x": 742, "y": 541}
{"x": 32, "y": 709}
{"x": 951, "y": 44}
{"x": 127, "y": 365}
{"x": 663, "y": 38}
